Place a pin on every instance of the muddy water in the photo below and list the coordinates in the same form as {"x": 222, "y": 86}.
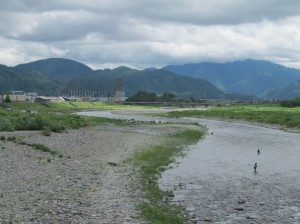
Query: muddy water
{"x": 217, "y": 183}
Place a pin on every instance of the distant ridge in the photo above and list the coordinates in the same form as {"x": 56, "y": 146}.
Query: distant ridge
{"x": 248, "y": 76}
{"x": 58, "y": 68}
{"x": 291, "y": 91}
{"x": 157, "y": 81}
{"x": 230, "y": 80}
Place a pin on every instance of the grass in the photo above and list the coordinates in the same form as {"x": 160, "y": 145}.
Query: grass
{"x": 43, "y": 148}
{"x": 288, "y": 117}
{"x": 68, "y": 106}
{"x": 24, "y": 121}
{"x": 151, "y": 164}
{"x": 37, "y": 146}
{"x": 53, "y": 117}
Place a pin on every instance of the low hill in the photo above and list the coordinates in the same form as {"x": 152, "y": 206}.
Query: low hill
{"x": 29, "y": 81}
{"x": 58, "y": 68}
{"x": 248, "y": 77}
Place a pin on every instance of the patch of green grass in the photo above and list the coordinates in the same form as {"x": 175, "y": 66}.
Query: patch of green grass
{"x": 289, "y": 117}
{"x": 53, "y": 122}
{"x": 54, "y": 116}
{"x": 37, "y": 146}
{"x": 65, "y": 107}
{"x": 189, "y": 135}
{"x": 43, "y": 148}
{"x": 152, "y": 163}
{"x": 100, "y": 120}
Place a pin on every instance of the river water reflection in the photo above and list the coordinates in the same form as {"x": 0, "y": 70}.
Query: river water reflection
{"x": 217, "y": 183}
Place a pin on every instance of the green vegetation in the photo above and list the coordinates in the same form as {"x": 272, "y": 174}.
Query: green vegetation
{"x": 52, "y": 117}
{"x": 67, "y": 106}
{"x": 37, "y": 146}
{"x": 151, "y": 164}
{"x": 24, "y": 121}
{"x": 28, "y": 81}
{"x": 44, "y": 148}
{"x": 7, "y": 99}
{"x": 291, "y": 103}
{"x": 288, "y": 117}
{"x": 143, "y": 96}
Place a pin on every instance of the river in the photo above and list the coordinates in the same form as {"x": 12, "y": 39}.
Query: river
{"x": 216, "y": 181}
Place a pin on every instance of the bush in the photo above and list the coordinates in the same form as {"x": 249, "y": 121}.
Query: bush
{"x": 44, "y": 122}
{"x": 11, "y": 138}
{"x": 6, "y": 125}
{"x": 46, "y": 131}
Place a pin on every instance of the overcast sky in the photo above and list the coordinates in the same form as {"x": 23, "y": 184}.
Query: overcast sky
{"x": 149, "y": 33}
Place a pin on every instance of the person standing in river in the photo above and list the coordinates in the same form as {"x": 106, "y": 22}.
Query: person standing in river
{"x": 255, "y": 167}
{"x": 258, "y": 151}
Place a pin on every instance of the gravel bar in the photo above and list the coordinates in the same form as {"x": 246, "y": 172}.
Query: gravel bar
{"x": 86, "y": 181}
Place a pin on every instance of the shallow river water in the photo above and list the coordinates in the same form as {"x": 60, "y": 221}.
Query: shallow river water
{"x": 216, "y": 181}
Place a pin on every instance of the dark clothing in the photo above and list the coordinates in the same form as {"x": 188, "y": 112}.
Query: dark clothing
{"x": 255, "y": 166}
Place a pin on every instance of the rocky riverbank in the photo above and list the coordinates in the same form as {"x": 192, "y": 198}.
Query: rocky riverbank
{"x": 85, "y": 181}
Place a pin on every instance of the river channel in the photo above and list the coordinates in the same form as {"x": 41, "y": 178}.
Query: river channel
{"x": 216, "y": 181}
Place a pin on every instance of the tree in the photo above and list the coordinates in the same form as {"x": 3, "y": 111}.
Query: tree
{"x": 143, "y": 96}
{"x": 168, "y": 97}
{"x": 7, "y": 99}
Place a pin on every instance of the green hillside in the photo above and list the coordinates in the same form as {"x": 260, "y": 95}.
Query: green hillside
{"x": 239, "y": 79}
{"x": 157, "y": 81}
{"x": 58, "y": 68}
{"x": 291, "y": 91}
{"x": 248, "y": 77}
{"x": 29, "y": 81}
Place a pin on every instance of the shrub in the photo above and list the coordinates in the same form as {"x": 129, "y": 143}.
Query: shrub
{"x": 11, "y": 138}
{"x": 6, "y": 125}
{"x": 46, "y": 131}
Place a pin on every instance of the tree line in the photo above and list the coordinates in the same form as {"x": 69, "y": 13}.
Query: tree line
{"x": 143, "y": 96}
{"x": 290, "y": 103}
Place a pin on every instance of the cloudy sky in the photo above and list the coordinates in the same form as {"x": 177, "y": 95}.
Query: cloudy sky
{"x": 149, "y": 33}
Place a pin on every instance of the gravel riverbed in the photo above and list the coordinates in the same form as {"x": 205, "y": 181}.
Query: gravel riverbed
{"x": 88, "y": 183}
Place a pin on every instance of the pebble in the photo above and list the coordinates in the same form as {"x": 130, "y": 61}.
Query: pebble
{"x": 89, "y": 184}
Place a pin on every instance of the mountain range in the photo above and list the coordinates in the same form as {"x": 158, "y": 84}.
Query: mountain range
{"x": 236, "y": 80}
{"x": 254, "y": 77}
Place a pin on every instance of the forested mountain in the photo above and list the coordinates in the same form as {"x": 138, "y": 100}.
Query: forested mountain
{"x": 58, "y": 68}
{"x": 150, "y": 80}
{"x": 291, "y": 91}
{"x": 248, "y": 77}
{"x": 3, "y": 67}
{"x": 12, "y": 79}
{"x": 239, "y": 79}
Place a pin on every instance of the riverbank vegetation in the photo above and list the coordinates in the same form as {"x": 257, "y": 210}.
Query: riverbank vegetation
{"x": 291, "y": 103}
{"x": 53, "y": 117}
{"x": 151, "y": 163}
{"x": 66, "y": 106}
{"x": 288, "y": 117}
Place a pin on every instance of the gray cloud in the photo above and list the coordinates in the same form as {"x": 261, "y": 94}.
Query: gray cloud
{"x": 149, "y": 33}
